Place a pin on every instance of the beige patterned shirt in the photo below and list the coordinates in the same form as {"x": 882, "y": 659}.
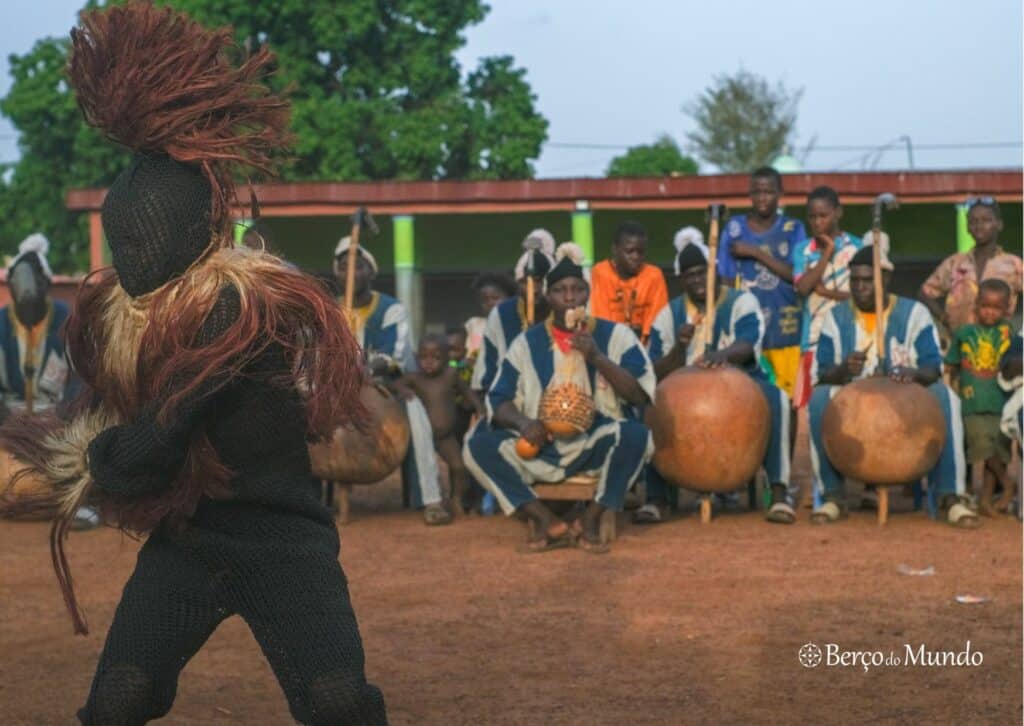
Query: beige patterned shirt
{"x": 957, "y": 280}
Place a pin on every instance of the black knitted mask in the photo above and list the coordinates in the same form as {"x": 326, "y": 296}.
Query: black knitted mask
{"x": 156, "y": 217}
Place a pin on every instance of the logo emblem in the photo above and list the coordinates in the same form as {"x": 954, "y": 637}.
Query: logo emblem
{"x": 809, "y": 655}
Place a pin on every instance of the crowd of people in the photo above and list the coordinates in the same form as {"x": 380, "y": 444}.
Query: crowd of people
{"x": 794, "y": 310}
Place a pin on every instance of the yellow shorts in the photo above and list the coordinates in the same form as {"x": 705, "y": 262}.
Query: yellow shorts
{"x": 785, "y": 362}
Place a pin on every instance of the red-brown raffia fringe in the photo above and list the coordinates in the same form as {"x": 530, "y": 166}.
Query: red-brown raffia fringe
{"x": 156, "y": 81}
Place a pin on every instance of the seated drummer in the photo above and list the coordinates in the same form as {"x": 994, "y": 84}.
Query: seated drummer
{"x": 677, "y": 340}
{"x": 616, "y": 446}
{"x": 846, "y": 353}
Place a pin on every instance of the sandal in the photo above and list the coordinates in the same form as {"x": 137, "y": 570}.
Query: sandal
{"x": 780, "y": 513}
{"x": 580, "y": 541}
{"x": 828, "y": 513}
{"x": 648, "y": 514}
{"x": 435, "y": 515}
{"x": 547, "y": 543}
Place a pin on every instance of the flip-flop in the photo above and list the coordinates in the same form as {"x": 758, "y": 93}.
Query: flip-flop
{"x": 537, "y": 546}
{"x": 648, "y": 514}
{"x": 435, "y": 515}
{"x": 580, "y": 541}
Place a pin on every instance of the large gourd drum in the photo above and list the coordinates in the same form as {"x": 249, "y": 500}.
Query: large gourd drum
{"x": 883, "y": 432}
{"x": 710, "y": 427}
{"x": 354, "y": 457}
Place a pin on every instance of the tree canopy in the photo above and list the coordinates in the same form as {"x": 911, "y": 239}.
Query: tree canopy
{"x": 743, "y": 121}
{"x": 376, "y": 89}
{"x": 662, "y": 158}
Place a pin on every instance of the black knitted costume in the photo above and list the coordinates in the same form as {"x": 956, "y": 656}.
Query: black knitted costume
{"x": 266, "y": 550}
{"x": 268, "y": 553}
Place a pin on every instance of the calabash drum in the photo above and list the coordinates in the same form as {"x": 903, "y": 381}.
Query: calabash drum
{"x": 710, "y": 428}
{"x": 352, "y": 457}
{"x": 566, "y": 410}
{"x": 883, "y": 432}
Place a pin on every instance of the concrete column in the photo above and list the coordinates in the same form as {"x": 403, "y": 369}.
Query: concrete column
{"x": 408, "y": 286}
{"x": 964, "y": 241}
{"x": 583, "y": 232}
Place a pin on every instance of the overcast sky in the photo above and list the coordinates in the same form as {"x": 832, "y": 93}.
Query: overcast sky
{"x": 618, "y": 73}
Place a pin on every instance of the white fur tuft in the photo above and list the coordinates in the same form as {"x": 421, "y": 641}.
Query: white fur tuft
{"x": 571, "y": 250}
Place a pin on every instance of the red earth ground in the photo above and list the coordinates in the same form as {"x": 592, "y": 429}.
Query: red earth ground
{"x": 681, "y": 623}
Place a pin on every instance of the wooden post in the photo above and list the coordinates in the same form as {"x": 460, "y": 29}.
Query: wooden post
{"x": 705, "y": 509}
{"x": 344, "y": 505}
{"x": 883, "y": 505}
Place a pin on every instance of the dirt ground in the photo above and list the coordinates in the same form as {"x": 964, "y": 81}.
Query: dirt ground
{"x": 681, "y": 623}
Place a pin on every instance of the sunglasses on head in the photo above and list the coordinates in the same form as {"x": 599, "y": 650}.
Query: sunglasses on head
{"x": 983, "y": 201}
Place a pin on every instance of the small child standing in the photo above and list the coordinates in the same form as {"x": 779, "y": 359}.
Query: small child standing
{"x": 438, "y": 385}
{"x": 973, "y": 359}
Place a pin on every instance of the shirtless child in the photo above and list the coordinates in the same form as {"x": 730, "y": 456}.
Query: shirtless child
{"x": 438, "y": 385}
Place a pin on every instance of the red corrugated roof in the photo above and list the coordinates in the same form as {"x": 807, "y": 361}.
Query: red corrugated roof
{"x": 670, "y": 192}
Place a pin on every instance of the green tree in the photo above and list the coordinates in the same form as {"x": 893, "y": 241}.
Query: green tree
{"x": 376, "y": 90}
{"x": 662, "y": 158}
{"x": 58, "y": 152}
{"x": 742, "y": 121}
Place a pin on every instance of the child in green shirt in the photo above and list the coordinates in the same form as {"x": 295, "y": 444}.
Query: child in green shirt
{"x": 973, "y": 363}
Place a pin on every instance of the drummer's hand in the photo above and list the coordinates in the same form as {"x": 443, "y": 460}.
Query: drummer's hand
{"x": 534, "y": 432}
{"x": 685, "y": 335}
{"x": 855, "y": 363}
{"x": 583, "y": 342}
{"x": 379, "y": 367}
{"x": 714, "y": 359}
{"x": 903, "y": 374}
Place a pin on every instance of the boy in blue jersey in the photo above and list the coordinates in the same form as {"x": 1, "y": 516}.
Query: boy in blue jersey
{"x": 756, "y": 254}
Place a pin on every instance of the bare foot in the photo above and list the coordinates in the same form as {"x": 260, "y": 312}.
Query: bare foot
{"x": 1004, "y": 505}
{"x": 985, "y": 508}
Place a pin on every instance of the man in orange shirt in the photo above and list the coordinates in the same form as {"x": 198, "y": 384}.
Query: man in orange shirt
{"x": 624, "y": 288}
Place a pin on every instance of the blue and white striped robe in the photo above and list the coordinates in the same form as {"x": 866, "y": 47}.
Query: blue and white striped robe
{"x": 505, "y": 322}
{"x": 617, "y": 446}
{"x": 738, "y": 317}
{"x": 910, "y": 341}
{"x": 386, "y": 333}
{"x": 52, "y": 373}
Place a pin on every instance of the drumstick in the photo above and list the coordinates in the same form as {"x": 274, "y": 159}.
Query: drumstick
{"x": 715, "y": 212}
{"x": 530, "y": 300}
{"x": 350, "y": 269}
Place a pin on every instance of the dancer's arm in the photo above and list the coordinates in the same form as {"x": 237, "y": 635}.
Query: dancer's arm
{"x": 143, "y": 457}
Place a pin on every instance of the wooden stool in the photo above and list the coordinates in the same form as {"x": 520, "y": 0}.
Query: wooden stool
{"x": 578, "y": 488}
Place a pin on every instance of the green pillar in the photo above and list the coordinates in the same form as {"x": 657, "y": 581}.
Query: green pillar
{"x": 964, "y": 241}
{"x": 240, "y": 228}
{"x": 583, "y": 232}
{"x": 408, "y": 289}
